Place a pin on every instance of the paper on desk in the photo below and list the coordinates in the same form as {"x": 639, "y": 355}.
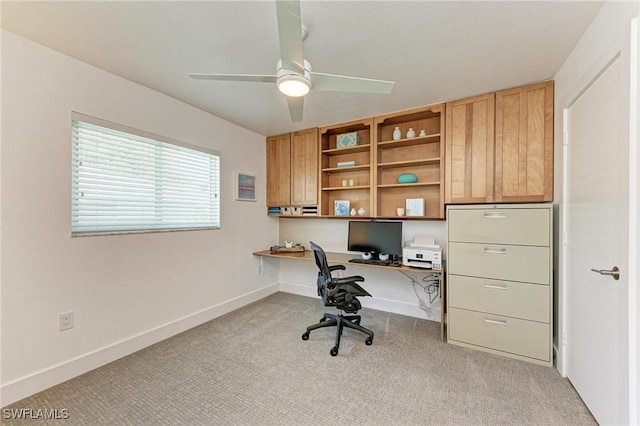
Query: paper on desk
{"x": 425, "y": 241}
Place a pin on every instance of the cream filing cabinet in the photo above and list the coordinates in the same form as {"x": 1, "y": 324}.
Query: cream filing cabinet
{"x": 500, "y": 275}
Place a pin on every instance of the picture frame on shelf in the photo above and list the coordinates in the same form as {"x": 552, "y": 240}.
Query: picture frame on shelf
{"x": 415, "y": 206}
{"x": 245, "y": 187}
{"x": 341, "y": 207}
{"x": 347, "y": 140}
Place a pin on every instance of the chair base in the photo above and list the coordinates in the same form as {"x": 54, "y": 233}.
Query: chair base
{"x": 340, "y": 322}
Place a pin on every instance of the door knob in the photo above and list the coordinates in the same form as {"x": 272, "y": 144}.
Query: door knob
{"x": 614, "y": 272}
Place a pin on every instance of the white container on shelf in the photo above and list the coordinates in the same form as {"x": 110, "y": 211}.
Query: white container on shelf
{"x": 397, "y": 134}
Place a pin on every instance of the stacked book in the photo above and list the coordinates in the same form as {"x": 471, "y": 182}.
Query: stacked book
{"x": 274, "y": 211}
{"x": 346, "y": 164}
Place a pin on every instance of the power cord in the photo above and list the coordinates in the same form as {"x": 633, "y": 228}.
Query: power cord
{"x": 430, "y": 285}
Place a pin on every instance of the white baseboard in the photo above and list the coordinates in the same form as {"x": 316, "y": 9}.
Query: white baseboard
{"x": 385, "y": 305}
{"x": 43, "y": 379}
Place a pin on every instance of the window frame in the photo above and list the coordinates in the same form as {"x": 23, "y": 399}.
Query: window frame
{"x": 76, "y": 116}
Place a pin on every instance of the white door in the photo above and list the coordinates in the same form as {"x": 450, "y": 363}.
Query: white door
{"x": 597, "y": 237}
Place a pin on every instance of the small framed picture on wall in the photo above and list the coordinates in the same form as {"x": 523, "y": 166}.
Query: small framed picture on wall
{"x": 245, "y": 187}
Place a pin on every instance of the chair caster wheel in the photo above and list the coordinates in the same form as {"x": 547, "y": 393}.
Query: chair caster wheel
{"x": 334, "y": 351}
{"x": 368, "y": 342}
{"x": 305, "y": 336}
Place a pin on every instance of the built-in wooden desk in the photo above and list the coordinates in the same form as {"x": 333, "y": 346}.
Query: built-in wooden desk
{"x": 343, "y": 258}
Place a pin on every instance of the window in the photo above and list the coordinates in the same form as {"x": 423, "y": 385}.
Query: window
{"x": 126, "y": 180}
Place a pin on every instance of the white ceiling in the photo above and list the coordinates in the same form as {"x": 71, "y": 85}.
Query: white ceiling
{"x": 434, "y": 51}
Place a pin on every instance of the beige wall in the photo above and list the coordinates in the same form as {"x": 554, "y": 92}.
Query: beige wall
{"x": 127, "y": 291}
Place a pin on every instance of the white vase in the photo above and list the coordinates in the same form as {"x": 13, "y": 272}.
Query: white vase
{"x": 362, "y": 211}
{"x": 397, "y": 134}
{"x": 411, "y": 133}
{"x": 353, "y": 212}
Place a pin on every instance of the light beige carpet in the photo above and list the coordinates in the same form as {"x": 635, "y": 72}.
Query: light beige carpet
{"x": 251, "y": 367}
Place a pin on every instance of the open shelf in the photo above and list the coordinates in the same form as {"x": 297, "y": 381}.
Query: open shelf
{"x": 435, "y": 138}
{"x": 406, "y": 163}
{"x": 420, "y": 155}
{"x": 346, "y": 188}
{"x": 345, "y": 169}
{"x": 358, "y": 190}
{"x": 408, "y": 185}
{"x": 350, "y": 150}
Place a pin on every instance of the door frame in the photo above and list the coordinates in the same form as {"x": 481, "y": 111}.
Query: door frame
{"x": 634, "y": 223}
{"x": 630, "y": 53}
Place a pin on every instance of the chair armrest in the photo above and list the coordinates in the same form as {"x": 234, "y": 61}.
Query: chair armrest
{"x": 346, "y": 280}
{"x": 337, "y": 268}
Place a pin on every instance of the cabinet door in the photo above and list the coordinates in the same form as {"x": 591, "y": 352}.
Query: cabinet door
{"x": 304, "y": 167}
{"x": 524, "y": 144}
{"x": 278, "y": 170}
{"x": 470, "y": 150}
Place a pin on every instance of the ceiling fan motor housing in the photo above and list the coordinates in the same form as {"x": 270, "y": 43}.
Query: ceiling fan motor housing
{"x": 293, "y": 83}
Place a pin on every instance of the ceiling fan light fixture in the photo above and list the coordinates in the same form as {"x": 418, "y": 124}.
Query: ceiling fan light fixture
{"x": 294, "y": 85}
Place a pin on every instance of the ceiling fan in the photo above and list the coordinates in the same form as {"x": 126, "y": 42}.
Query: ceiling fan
{"x": 294, "y": 77}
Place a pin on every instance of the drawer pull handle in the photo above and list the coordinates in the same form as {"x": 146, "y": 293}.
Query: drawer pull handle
{"x": 496, "y": 286}
{"x": 495, "y": 321}
{"x": 490, "y": 250}
{"x": 494, "y": 215}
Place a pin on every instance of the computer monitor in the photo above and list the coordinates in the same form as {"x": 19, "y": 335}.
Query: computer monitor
{"x": 375, "y": 237}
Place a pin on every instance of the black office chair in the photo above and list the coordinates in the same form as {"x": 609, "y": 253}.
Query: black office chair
{"x": 341, "y": 293}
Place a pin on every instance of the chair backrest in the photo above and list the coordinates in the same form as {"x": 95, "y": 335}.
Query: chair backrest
{"x": 321, "y": 260}
{"x": 342, "y": 296}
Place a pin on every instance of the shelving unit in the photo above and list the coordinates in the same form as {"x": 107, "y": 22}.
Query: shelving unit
{"x": 346, "y": 183}
{"x": 420, "y": 155}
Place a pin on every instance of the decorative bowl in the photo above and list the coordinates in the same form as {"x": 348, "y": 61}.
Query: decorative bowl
{"x": 407, "y": 178}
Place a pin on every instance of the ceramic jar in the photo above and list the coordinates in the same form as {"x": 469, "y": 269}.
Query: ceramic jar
{"x": 397, "y": 134}
{"x": 411, "y": 133}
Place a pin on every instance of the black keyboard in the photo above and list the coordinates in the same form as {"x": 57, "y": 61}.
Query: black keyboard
{"x": 370, "y": 261}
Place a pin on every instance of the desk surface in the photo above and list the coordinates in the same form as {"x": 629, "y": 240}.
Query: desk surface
{"x": 342, "y": 258}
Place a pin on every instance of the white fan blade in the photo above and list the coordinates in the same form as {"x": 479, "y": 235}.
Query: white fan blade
{"x": 236, "y": 77}
{"x": 342, "y": 83}
{"x": 295, "y": 108}
{"x": 290, "y": 35}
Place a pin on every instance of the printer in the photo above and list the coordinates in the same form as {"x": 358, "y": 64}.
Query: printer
{"x": 423, "y": 252}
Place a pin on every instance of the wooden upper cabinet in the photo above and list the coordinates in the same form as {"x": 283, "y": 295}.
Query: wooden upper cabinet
{"x": 305, "y": 165}
{"x": 279, "y": 170}
{"x": 469, "y": 150}
{"x": 524, "y": 144}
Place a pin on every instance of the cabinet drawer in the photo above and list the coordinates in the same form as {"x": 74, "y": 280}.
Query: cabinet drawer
{"x": 501, "y": 262}
{"x": 516, "y": 336}
{"x": 500, "y": 226}
{"x": 508, "y": 298}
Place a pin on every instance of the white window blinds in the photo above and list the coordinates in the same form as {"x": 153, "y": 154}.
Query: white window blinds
{"x": 125, "y": 180}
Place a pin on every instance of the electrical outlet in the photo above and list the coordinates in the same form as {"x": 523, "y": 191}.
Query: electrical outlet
{"x": 66, "y": 321}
